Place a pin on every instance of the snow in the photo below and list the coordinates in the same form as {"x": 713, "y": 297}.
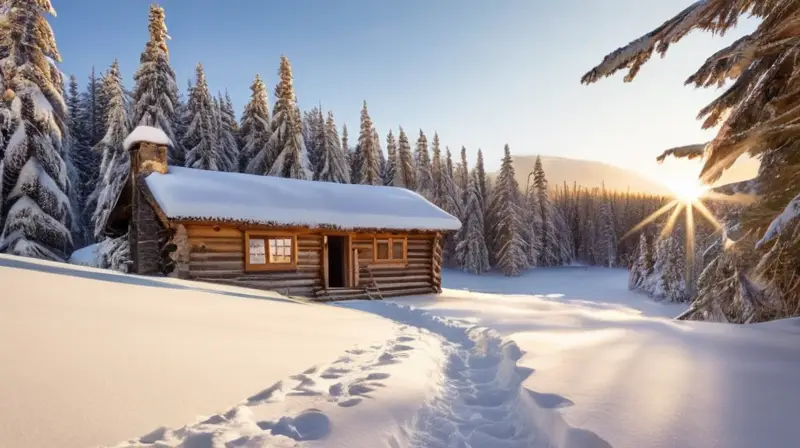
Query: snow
{"x": 609, "y": 367}
{"x": 87, "y": 256}
{"x": 146, "y": 134}
{"x": 555, "y": 358}
{"x": 781, "y": 222}
{"x": 92, "y": 357}
{"x": 189, "y": 194}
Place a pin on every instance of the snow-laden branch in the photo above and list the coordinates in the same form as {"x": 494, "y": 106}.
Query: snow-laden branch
{"x": 636, "y": 53}
{"x": 781, "y": 222}
{"x": 684, "y": 152}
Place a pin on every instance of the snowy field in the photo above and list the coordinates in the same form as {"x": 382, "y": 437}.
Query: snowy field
{"x": 561, "y": 357}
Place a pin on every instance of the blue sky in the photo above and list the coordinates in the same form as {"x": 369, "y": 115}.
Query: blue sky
{"x": 480, "y": 73}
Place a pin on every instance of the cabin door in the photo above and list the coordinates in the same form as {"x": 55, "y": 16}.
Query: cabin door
{"x": 337, "y": 261}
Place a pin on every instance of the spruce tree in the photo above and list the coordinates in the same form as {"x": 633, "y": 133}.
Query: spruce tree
{"x": 462, "y": 176}
{"x": 607, "y": 249}
{"x": 449, "y": 163}
{"x": 533, "y": 226}
{"x": 505, "y": 218}
{"x": 406, "y": 175}
{"x": 182, "y": 122}
{"x": 255, "y": 130}
{"x": 483, "y": 183}
{"x": 422, "y": 164}
{"x": 86, "y": 164}
{"x": 471, "y": 251}
{"x": 438, "y": 193}
{"x": 94, "y": 109}
{"x": 156, "y": 92}
{"x": 36, "y": 212}
{"x": 390, "y": 172}
{"x": 200, "y": 141}
{"x": 314, "y": 136}
{"x": 228, "y": 129}
{"x": 333, "y": 160}
{"x": 381, "y": 155}
{"x": 286, "y": 143}
{"x": 547, "y": 253}
{"x": 370, "y": 165}
{"x": 115, "y": 165}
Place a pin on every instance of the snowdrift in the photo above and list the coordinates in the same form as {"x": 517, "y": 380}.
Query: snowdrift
{"x": 90, "y": 357}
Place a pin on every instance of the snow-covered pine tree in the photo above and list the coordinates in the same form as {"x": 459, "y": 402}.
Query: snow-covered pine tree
{"x": 471, "y": 251}
{"x": 255, "y": 130}
{"x": 438, "y": 194}
{"x": 314, "y": 136}
{"x": 422, "y": 166}
{"x": 86, "y": 163}
{"x": 370, "y": 163}
{"x": 505, "y": 218}
{"x": 182, "y": 121}
{"x": 36, "y": 213}
{"x": 449, "y": 163}
{"x": 533, "y": 226}
{"x": 390, "y": 172}
{"x": 406, "y": 174}
{"x": 200, "y": 141}
{"x": 115, "y": 165}
{"x": 156, "y": 92}
{"x": 667, "y": 280}
{"x": 381, "y": 155}
{"x": 356, "y": 161}
{"x": 483, "y": 182}
{"x": 94, "y": 109}
{"x": 228, "y": 129}
{"x": 332, "y": 158}
{"x": 286, "y": 143}
{"x": 462, "y": 175}
{"x": 548, "y": 245}
{"x": 607, "y": 238}
{"x": 642, "y": 266}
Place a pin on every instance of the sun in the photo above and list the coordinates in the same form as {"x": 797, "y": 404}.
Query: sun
{"x": 688, "y": 191}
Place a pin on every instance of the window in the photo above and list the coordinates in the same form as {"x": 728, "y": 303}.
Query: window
{"x": 266, "y": 251}
{"x": 390, "y": 250}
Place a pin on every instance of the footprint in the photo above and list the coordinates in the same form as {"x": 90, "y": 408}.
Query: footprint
{"x": 356, "y": 351}
{"x": 404, "y": 339}
{"x": 267, "y": 394}
{"x": 350, "y": 403}
{"x": 402, "y": 348}
{"x": 311, "y": 424}
{"x": 359, "y": 389}
{"x": 377, "y": 376}
{"x": 333, "y": 373}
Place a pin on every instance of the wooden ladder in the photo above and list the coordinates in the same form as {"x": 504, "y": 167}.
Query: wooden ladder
{"x": 374, "y": 289}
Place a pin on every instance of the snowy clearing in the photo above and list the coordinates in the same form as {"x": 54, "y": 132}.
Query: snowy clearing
{"x": 612, "y": 365}
{"x": 562, "y": 357}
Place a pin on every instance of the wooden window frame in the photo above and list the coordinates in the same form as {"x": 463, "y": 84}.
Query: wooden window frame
{"x": 266, "y": 236}
{"x": 391, "y": 259}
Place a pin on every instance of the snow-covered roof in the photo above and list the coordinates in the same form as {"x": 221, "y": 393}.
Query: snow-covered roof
{"x": 191, "y": 194}
{"x": 146, "y": 134}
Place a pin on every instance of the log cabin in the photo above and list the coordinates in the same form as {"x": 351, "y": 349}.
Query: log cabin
{"x": 315, "y": 239}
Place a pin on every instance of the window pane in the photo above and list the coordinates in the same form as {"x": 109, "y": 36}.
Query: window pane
{"x": 382, "y": 249}
{"x": 280, "y": 250}
{"x": 397, "y": 249}
{"x": 257, "y": 251}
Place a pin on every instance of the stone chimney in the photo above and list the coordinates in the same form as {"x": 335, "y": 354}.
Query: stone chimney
{"x": 148, "y": 152}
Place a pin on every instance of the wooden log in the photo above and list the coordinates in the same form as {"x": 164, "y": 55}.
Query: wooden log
{"x": 210, "y": 232}
{"x": 398, "y": 285}
{"x": 221, "y": 256}
{"x": 217, "y": 247}
{"x": 216, "y": 264}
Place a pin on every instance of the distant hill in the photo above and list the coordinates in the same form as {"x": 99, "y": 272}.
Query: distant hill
{"x": 587, "y": 173}
{"x": 590, "y": 174}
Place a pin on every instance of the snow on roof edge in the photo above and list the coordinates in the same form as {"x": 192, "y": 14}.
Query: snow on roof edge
{"x": 146, "y": 134}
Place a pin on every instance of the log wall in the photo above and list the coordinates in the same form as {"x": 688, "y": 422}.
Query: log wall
{"x": 218, "y": 256}
{"x": 416, "y": 277}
